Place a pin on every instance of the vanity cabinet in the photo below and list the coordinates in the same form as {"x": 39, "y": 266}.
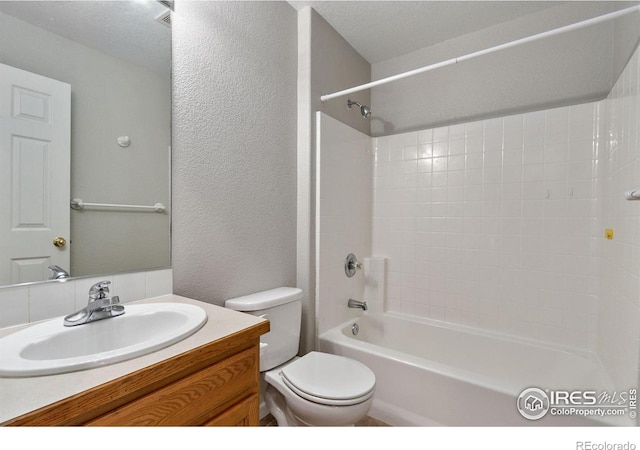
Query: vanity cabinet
{"x": 216, "y": 384}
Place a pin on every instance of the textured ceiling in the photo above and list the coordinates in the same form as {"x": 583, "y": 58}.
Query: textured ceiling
{"x": 126, "y": 29}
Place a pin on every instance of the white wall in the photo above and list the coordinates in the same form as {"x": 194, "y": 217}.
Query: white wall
{"x": 564, "y": 70}
{"x": 619, "y": 311}
{"x": 234, "y": 148}
{"x": 343, "y": 217}
{"x": 110, "y": 97}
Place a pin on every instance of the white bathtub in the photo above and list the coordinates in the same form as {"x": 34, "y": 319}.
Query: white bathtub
{"x": 430, "y": 373}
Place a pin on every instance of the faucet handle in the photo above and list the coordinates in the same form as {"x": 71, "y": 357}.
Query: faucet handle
{"x": 99, "y": 291}
{"x": 351, "y": 264}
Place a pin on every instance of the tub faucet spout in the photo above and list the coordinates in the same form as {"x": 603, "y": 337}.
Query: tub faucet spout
{"x": 356, "y": 304}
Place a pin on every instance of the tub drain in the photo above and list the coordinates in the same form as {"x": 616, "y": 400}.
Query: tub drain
{"x": 355, "y": 328}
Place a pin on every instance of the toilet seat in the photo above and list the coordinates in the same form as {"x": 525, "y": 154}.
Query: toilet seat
{"x": 329, "y": 379}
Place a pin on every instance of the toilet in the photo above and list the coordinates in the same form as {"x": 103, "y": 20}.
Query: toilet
{"x": 317, "y": 389}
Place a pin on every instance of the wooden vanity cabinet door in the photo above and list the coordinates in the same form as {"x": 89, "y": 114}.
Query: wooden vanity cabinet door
{"x": 195, "y": 399}
{"x": 244, "y": 414}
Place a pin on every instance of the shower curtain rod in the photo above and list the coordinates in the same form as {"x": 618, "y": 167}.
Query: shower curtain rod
{"x": 449, "y": 62}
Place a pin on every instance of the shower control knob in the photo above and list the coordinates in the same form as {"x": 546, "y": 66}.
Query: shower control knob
{"x": 351, "y": 265}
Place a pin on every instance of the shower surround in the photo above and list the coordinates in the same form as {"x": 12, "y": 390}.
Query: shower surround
{"x": 500, "y": 225}
{"x": 496, "y": 224}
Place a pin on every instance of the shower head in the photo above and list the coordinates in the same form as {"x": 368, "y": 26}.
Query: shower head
{"x": 364, "y": 110}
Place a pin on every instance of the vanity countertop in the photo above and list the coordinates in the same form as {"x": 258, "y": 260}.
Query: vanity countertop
{"x": 19, "y": 396}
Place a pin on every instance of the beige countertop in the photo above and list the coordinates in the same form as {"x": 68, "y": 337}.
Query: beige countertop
{"x": 19, "y": 396}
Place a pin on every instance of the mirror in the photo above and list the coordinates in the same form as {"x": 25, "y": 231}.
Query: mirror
{"x": 116, "y": 58}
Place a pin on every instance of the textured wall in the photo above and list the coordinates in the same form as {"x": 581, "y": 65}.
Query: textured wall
{"x": 234, "y": 148}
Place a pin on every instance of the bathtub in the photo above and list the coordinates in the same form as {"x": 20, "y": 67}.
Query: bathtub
{"x": 432, "y": 373}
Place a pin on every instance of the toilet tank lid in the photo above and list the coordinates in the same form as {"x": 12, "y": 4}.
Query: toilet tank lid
{"x": 264, "y": 299}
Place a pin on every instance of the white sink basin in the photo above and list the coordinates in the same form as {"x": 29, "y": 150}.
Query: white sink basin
{"x": 50, "y": 347}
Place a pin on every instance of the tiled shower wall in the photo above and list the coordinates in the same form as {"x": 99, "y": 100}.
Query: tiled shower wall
{"x": 619, "y": 313}
{"x": 496, "y": 224}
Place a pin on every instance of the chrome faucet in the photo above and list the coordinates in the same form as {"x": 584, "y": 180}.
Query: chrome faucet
{"x": 356, "y": 304}
{"x": 100, "y": 306}
{"x": 58, "y": 273}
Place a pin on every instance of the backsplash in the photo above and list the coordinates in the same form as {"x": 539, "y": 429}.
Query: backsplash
{"x": 31, "y": 303}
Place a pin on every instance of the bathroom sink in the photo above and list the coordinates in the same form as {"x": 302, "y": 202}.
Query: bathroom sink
{"x": 49, "y": 347}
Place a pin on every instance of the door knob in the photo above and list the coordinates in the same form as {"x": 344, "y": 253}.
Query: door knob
{"x": 59, "y": 242}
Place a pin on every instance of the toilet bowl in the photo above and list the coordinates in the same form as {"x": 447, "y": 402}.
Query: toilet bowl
{"x": 317, "y": 389}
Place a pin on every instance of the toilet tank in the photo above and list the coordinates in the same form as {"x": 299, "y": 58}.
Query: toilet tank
{"x": 283, "y": 307}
